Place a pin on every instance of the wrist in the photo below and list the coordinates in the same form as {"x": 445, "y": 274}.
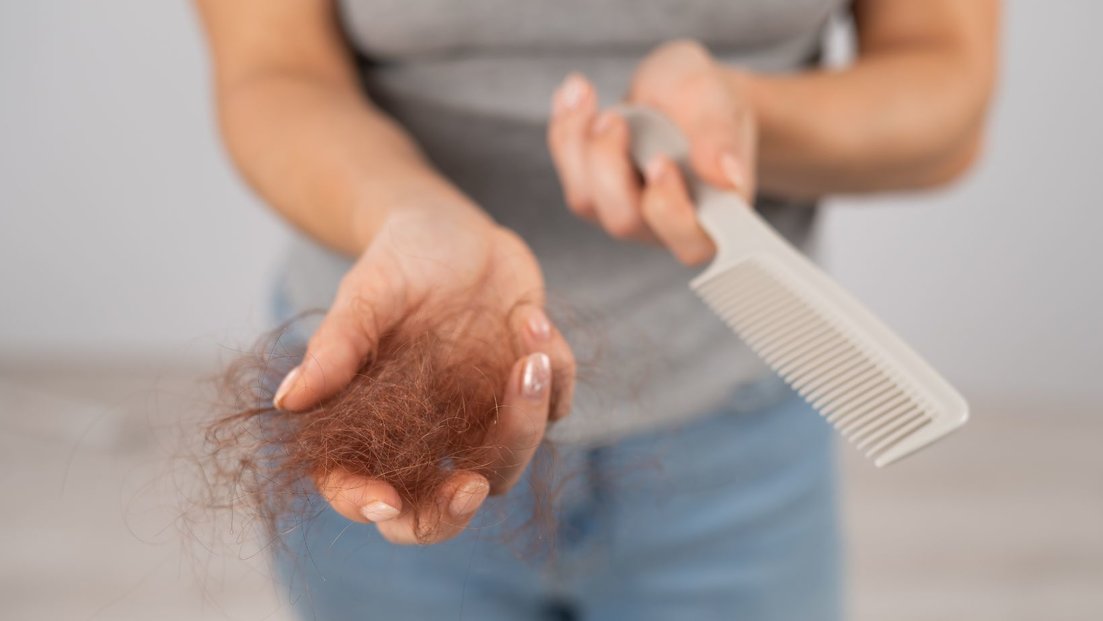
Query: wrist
{"x": 420, "y": 190}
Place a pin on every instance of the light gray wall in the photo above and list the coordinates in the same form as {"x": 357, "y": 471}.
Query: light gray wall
{"x": 999, "y": 280}
{"x": 123, "y": 231}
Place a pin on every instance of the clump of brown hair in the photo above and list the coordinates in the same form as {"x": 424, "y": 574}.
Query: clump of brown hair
{"x": 419, "y": 410}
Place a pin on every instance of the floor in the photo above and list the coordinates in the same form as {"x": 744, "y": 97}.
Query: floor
{"x": 1002, "y": 522}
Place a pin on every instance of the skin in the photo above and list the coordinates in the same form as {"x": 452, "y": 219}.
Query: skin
{"x": 908, "y": 114}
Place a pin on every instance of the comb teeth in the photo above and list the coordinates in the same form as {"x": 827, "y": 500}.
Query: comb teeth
{"x": 831, "y": 370}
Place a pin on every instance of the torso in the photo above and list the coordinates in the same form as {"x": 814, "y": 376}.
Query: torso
{"x": 471, "y": 80}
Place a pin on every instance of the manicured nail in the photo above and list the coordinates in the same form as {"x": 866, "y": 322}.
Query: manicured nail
{"x": 733, "y": 171}
{"x": 379, "y": 511}
{"x": 536, "y": 376}
{"x": 603, "y": 122}
{"x": 539, "y": 326}
{"x": 655, "y": 169}
{"x": 285, "y": 387}
{"x": 572, "y": 91}
{"x": 468, "y": 498}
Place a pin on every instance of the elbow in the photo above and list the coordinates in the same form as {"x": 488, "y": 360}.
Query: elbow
{"x": 951, "y": 155}
{"x": 953, "y": 164}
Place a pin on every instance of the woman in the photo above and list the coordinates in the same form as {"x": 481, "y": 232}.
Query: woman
{"x": 410, "y": 142}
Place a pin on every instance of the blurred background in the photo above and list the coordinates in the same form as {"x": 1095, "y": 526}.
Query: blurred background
{"x": 132, "y": 261}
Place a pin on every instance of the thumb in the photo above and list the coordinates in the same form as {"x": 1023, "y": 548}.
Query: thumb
{"x": 722, "y": 151}
{"x": 342, "y": 344}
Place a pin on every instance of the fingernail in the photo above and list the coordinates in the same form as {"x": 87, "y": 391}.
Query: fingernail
{"x": 572, "y": 91}
{"x": 655, "y": 169}
{"x": 539, "y": 326}
{"x": 468, "y": 498}
{"x": 603, "y": 122}
{"x": 379, "y": 511}
{"x": 285, "y": 387}
{"x": 536, "y": 376}
{"x": 733, "y": 171}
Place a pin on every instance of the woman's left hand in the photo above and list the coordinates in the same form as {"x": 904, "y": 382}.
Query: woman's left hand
{"x": 590, "y": 149}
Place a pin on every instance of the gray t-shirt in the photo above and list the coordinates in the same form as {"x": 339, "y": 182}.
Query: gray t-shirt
{"x": 471, "y": 82}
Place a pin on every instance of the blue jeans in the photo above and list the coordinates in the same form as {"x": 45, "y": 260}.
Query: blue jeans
{"x": 732, "y": 516}
{"x": 729, "y": 517}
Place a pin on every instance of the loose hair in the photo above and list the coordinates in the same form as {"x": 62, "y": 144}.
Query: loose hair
{"x": 417, "y": 411}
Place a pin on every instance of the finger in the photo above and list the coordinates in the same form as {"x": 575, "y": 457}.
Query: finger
{"x": 722, "y": 150}
{"x": 539, "y": 334}
{"x": 573, "y": 107}
{"x": 669, "y": 212}
{"x": 455, "y": 503}
{"x": 536, "y": 333}
{"x": 709, "y": 105}
{"x": 364, "y": 308}
{"x": 522, "y": 420}
{"x": 613, "y": 181}
{"x": 360, "y": 499}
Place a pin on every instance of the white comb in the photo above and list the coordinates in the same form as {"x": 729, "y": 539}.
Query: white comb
{"x": 877, "y": 392}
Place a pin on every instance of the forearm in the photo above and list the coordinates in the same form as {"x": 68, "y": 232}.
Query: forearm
{"x": 891, "y": 122}
{"x": 908, "y": 113}
{"x": 322, "y": 156}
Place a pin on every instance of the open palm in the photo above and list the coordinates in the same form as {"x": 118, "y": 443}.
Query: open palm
{"x": 431, "y": 263}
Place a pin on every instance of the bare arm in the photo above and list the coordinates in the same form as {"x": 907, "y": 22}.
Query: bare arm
{"x": 299, "y": 128}
{"x": 909, "y": 113}
{"x": 316, "y": 149}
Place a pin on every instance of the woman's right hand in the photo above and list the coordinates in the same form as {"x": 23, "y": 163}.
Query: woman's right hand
{"x": 590, "y": 148}
{"x": 441, "y": 256}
